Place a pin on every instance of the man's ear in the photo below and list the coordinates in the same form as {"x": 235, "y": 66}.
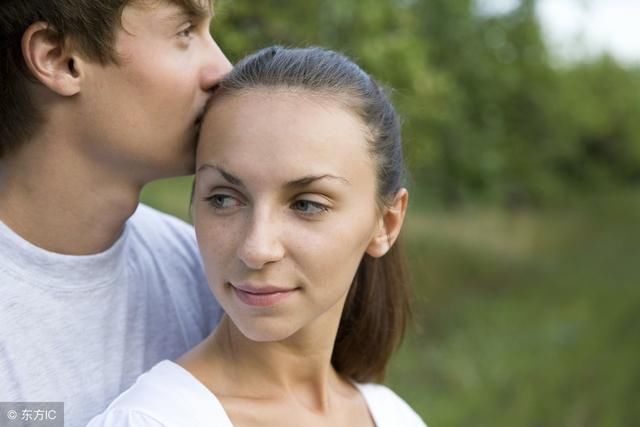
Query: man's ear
{"x": 52, "y": 62}
{"x": 389, "y": 225}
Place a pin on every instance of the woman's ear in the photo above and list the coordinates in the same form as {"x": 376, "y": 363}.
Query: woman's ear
{"x": 51, "y": 61}
{"x": 389, "y": 225}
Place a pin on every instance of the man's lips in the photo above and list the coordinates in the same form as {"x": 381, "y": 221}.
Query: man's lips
{"x": 262, "y": 296}
{"x": 198, "y": 121}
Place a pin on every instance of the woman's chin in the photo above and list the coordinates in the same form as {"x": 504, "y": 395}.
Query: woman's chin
{"x": 265, "y": 333}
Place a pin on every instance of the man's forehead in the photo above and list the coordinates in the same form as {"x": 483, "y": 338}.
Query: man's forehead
{"x": 195, "y": 7}
{"x": 188, "y": 7}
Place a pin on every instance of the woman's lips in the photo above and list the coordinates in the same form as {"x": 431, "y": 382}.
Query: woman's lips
{"x": 262, "y": 296}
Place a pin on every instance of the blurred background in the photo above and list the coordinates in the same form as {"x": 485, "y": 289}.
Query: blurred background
{"x": 522, "y": 133}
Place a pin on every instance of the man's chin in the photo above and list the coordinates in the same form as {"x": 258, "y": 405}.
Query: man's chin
{"x": 186, "y": 167}
{"x": 186, "y": 161}
{"x": 177, "y": 166}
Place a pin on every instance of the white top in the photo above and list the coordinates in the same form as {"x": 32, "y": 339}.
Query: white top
{"x": 169, "y": 396}
{"x": 81, "y": 329}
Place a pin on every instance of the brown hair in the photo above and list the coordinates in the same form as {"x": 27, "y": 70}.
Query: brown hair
{"x": 90, "y": 24}
{"x": 377, "y": 306}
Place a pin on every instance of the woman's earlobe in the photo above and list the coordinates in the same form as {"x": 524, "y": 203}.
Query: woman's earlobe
{"x": 49, "y": 60}
{"x": 389, "y": 225}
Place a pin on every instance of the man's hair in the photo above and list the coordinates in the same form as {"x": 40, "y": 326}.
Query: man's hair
{"x": 377, "y": 306}
{"x": 90, "y": 24}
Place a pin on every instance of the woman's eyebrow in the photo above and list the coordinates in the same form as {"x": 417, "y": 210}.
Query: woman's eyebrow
{"x": 296, "y": 183}
{"x": 306, "y": 180}
{"x": 232, "y": 179}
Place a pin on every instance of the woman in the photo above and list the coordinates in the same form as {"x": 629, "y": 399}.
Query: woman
{"x": 297, "y": 204}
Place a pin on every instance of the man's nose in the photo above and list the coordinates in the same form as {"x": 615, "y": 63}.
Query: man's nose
{"x": 216, "y": 67}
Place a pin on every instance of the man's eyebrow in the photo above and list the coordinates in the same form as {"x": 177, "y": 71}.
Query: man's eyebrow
{"x": 306, "y": 180}
{"x": 188, "y": 9}
{"x": 232, "y": 179}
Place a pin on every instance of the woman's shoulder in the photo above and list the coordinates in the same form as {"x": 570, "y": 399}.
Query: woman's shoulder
{"x": 387, "y": 408}
{"x": 165, "y": 396}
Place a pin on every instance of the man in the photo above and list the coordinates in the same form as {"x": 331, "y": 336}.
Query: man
{"x": 97, "y": 99}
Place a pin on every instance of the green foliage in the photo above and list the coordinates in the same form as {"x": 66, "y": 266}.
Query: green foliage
{"x": 487, "y": 113}
{"x": 601, "y": 125}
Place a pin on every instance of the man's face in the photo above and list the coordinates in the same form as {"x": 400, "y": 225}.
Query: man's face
{"x": 142, "y": 115}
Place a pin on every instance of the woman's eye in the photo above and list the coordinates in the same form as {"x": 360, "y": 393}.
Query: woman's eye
{"x": 307, "y": 207}
{"x": 223, "y": 201}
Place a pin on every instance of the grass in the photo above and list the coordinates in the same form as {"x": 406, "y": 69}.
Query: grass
{"x": 521, "y": 319}
{"x": 527, "y": 319}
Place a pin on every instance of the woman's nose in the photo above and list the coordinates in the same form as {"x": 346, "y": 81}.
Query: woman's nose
{"x": 262, "y": 242}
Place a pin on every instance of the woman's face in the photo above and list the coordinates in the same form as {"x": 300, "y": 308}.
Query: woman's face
{"x": 284, "y": 209}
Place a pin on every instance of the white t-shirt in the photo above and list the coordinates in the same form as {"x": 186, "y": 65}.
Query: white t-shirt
{"x": 169, "y": 396}
{"x": 81, "y": 329}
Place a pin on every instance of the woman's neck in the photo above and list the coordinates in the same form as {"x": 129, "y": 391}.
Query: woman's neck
{"x": 298, "y": 368}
